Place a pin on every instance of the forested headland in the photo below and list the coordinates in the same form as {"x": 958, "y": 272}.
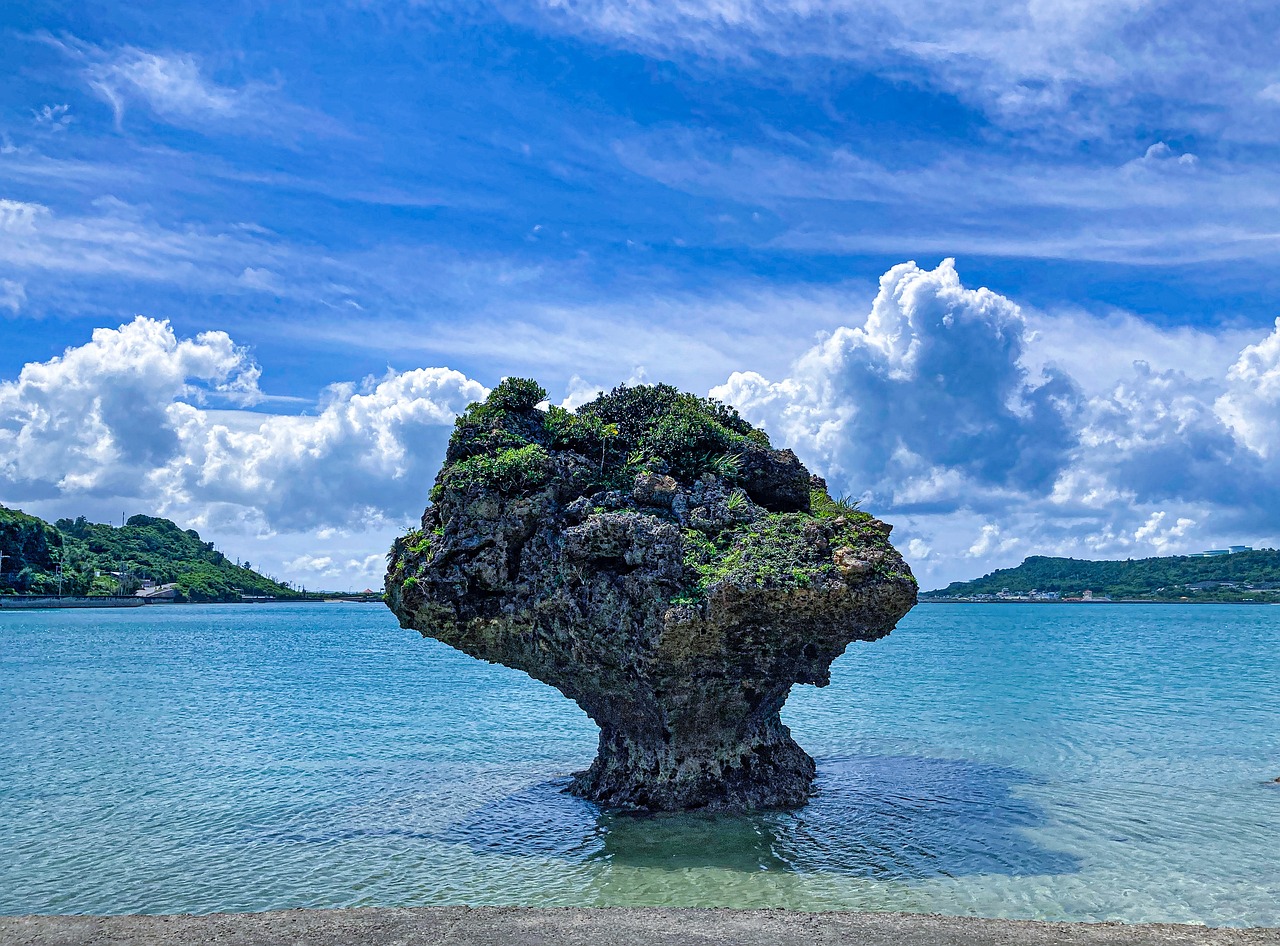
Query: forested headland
{"x": 1242, "y": 576}
{"x": 99, "y": 559}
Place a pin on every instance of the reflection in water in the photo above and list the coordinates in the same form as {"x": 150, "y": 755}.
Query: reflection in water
{"x": 885, "y": 817}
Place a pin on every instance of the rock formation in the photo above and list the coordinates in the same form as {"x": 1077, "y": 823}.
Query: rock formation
{"x": 655, "y": 560}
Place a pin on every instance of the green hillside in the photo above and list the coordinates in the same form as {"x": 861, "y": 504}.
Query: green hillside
{"x": 103, "y": 559}
{"x": 1242, "y": 576}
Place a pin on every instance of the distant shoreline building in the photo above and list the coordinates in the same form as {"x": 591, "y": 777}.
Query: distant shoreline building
{"x": 1210, "y": 553}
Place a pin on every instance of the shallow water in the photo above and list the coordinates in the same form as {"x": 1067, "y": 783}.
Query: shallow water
{"x": 1036, "y": 761}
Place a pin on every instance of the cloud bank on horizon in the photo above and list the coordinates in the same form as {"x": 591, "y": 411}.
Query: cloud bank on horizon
{"x": 934, "y": 410}
{"x": 254, "y": 258}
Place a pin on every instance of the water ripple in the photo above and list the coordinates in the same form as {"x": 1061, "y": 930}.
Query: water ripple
{"x": 1056, "y": 762}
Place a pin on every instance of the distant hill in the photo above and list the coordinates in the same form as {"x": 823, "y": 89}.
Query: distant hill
{"x": 1244, "y": 575}
{"x": 103, "y": 559}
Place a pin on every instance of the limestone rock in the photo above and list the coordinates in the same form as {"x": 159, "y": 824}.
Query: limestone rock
{"x": 653, "y": 558}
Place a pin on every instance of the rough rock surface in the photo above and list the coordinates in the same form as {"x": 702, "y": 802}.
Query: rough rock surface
{"x": 657, "y": 562}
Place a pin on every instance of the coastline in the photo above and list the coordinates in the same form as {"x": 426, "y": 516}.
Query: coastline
{"x": 1095, "y": 601}
{"x": 620, "y": 926}
{"x": 81, "y": 603}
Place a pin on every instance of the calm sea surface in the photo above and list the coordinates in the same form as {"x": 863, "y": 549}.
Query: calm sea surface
{"x": 1040, "y": 761}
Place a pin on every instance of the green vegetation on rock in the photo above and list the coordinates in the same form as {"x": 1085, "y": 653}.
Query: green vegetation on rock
{"x": 502, "y": 442}
{"x": 505, "y": 444}
{"x": 781, "y": 549}
{"x": 99, "y": 559}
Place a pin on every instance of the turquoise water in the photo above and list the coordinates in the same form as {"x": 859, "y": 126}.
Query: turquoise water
{"x": 1039, "y": 761}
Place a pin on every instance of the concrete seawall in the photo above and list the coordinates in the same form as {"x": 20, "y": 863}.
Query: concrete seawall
{"x": 524, "y": 926}
{"x": 45, "y": 602}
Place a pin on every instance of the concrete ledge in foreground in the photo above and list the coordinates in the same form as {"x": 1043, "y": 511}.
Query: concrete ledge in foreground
{"x": 527, "y": 926}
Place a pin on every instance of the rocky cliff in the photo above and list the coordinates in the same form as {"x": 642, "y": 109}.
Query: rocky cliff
{"x": 654, "y": 559}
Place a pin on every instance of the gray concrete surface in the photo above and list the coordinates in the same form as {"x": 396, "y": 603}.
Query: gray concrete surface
{"x": 525, "y": 926}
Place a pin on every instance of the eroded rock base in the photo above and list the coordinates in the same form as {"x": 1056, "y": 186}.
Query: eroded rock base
{"x": 767, "y": 771}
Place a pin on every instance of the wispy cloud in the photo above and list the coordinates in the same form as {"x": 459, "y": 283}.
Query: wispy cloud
{"x": 13, "y": 295}
{"x": 53, "y": 118}
{"x": 1162, "y": 206}
{"x": 123, "y": 242}
{"x": 120, "y": 240}
{"x": 173, "y": 86}
{"x": 1019, "y": 60}
{"x": 176, "y": 87}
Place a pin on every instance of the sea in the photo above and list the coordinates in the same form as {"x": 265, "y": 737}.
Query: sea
{"x": 1065, "y": 762}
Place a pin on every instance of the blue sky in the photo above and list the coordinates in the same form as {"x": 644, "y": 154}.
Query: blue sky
{"x": 379, "y": 209}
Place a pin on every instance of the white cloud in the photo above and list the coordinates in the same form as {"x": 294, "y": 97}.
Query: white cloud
{"x": 369, "y": 455}
{"x": 1163, "y": 207}
{"x": 989, "y": 541}
{"x": 1160, "y": 155}
{"x": 918, "y": 549}
{"x": 125, "y": 416}
{"x": 176, "y": 87}
{"x": 1097, "y": 349}
{"x": 930, "y": 391}
{"x": 1159, "y": 536}
{"x": 579, "y": 392}
{"x": 12, "y": 295}
{"x": 1251, "y": 405}
{"x": 114, "y": 238}
{"x": 314, "y": 564}
{"x": 99, "y": 416}
{"x": 19, "y": 217}
{"x": 172, "y": 85}
{"x": 1019, "y": 60}
{"x": 54, "y": 118}
{"x": 947, "y": 413}
{"x": 942, "y": 409}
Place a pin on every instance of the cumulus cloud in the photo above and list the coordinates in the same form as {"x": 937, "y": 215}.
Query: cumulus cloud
{"x": 1251, "y": 406}
{"x": 929, "y": 394}
{"x": 1160, "y": 156}
{"x": 139, "y": 413}
{"x": 944, "y": 410}
{"x": 368, "y": 456}
{"x": 94, "y": 418}
{"x": 990, "y": 540}
{"x": 20, "y": 217}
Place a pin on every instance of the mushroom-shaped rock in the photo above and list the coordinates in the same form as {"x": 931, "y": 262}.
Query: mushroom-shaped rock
{"x": 654, "y": 559}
